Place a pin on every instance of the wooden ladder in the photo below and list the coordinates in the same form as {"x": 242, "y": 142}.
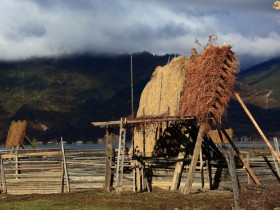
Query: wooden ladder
{"x": 120, "y": 159}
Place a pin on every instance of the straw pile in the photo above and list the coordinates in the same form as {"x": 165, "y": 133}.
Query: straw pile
{"x": 199, "y": 87}
{"x": 16, "y": 133}
{"x": 208, "y": 84}
{"x": 160, "y": 97}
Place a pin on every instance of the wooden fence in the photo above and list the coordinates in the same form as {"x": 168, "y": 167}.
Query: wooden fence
{"x": 57, "y": 171}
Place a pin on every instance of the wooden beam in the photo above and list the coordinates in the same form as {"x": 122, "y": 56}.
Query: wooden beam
{"x": 239, "y": 155}
{"x": 138, "y": 121}
{"x": 256, "y": 126}
{"x": 197, "y": 148}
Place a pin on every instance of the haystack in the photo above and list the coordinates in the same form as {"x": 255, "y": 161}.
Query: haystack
{"x": 160, "y": 97}
{"x": 16, "y": 133}
{"x": 199, "y": 87}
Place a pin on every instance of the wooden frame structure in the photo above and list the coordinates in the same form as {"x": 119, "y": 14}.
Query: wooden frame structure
{"x": 123, "y": 123}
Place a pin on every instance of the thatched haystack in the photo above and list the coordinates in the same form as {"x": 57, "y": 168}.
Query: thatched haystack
{"x": 160, "y": 97}
{"x": 209, "y": 84}
{"x": 199, "y": 87}
{"x": 16, "y": 133}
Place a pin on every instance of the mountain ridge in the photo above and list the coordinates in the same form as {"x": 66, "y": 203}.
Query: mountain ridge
{"x": 66, "y": 94}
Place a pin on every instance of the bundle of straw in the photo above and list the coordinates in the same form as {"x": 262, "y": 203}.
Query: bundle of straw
{"x": 16, "y": 133}
{"x": 209, "y": 83}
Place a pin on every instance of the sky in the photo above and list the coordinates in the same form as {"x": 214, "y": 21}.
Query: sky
{"x": 39, "y": 28}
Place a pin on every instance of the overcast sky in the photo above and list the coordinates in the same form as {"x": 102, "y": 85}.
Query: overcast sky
{"x": 55, "y": 27}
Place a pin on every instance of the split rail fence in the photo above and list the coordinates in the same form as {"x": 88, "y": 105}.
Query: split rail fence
{"x": 59, "y": 170}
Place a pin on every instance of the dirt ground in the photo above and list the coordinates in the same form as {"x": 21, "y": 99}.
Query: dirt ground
{"x": 98, "y": 199}
{"x": 265, "y": 197}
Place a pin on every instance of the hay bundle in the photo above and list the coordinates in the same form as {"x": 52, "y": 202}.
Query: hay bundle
{"x": 16, "y": 133}
{"x": 209, "y": 83}
{"x": 160, "y": 97}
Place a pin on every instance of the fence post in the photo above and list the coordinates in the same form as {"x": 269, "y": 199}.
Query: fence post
{"x": 65, "y": 166}
{"x": 3, "y": 176}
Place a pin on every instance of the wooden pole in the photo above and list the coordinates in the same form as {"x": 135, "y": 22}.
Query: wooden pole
{"x": 232, "y": 170}
{"x": 109, "y": 156}
{"x": 131, "y": 85}
{"x": 239, "y": 155}
{"x": 276, "y": 145}
{"x": 248, "y": 162}
{"x": 179, "y": 168}
{"x": 256, "y": 125}
{"x": 16, "y": 160}
{"x": 201, "y": 170}
{"x": 4, "y": 186}
{"x": 62, "y": 178}
{"x": 65, "y": 165}
{"x": 189, "y": 181}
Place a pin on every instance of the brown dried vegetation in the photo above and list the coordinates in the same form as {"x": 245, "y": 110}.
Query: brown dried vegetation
{"x": 16, "y": 133}
{"x": 209, "y": 83}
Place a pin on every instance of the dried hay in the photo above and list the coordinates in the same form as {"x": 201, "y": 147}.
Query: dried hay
{"x": 160, "y": 97}
{"x": 214, "y": 135}
{"x": 16, "y": 133}
{"x": 209, "y": 83}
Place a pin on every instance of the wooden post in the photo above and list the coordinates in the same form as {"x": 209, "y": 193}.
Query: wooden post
{"x": 209, "y": 171}
{"x": 109, "y": 156}
{"x": 239, "y": 155}
{"x": 62, "y": 178}
{"x": 257, "y": 126}
{"x": 16, "y": 162}
{"x": 248, "y": 162}
{"x": 232, "y": 170}
{"x": 189, "y": 181}
{"x": 65, "y": 165}
{"x": 178, "y": 168}
{"x": 201, "y": 170}
{"x": 276, "y": 145}
{"x": 4, "y": 186}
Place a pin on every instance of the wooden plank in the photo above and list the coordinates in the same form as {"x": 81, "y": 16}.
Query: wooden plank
{"x": 256, "y": 126}
{"x": 189, "y": 181}
{"x": 137, "y": 121}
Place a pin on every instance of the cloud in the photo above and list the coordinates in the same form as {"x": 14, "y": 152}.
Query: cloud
{"x": 51, "y": 28}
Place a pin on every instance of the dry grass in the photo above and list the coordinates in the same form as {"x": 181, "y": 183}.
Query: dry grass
{"x": 209, "y": 82}
{"x": 16, "y": 133}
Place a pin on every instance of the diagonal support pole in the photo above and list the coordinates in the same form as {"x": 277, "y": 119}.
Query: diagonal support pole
{"x": 249, "y": 170}
{"x": 197, "y": 148}
{"x": 257, "y": 126}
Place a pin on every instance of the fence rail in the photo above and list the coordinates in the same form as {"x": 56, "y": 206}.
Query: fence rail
{"x": 44, "y": 171}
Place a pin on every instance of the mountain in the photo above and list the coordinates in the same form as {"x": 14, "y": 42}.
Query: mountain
{"x": 260, "y": 90}
{"x": 65, "y": 94}
{"x": 264, "y": 78}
